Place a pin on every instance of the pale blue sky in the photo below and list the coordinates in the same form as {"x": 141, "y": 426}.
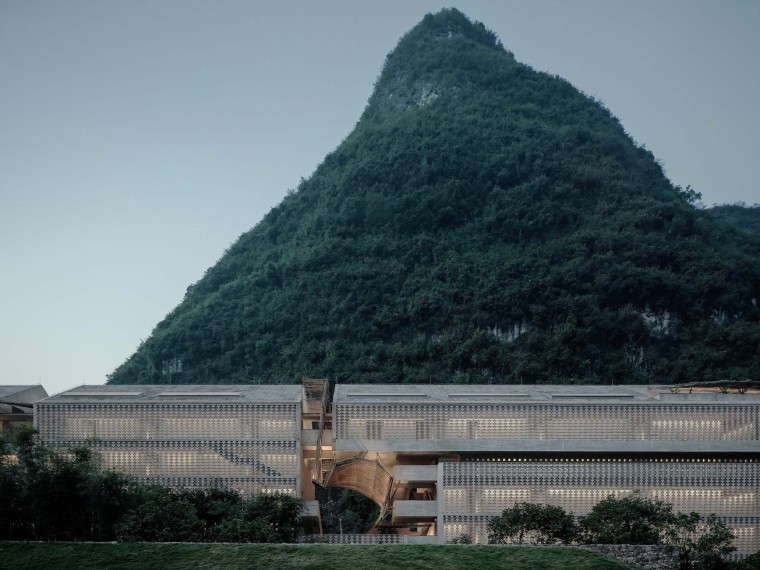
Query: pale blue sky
{"x": 138, "y": 139}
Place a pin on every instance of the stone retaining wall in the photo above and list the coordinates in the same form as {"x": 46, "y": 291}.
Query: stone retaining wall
{"x": 646, "y": 556}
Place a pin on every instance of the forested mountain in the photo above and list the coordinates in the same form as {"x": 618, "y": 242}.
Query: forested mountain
{"x": 746, "y": 218}
{"x": 483, "y": 222}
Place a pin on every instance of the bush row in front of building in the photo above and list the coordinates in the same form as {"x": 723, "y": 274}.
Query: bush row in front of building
{"x": 701, "y": 543}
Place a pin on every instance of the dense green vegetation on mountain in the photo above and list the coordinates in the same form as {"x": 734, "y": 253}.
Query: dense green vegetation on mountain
{"x": 744, "y": 217}
{"x": 483, "y": 222}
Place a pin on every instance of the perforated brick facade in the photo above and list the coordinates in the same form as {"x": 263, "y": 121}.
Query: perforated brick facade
{"x": 474, "y": 491}
{"x": 425, "y": 421}
{"x": 249, "y": 445}
{"x": 569, "y": 446}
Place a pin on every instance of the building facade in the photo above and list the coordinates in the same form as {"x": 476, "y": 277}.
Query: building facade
{"x": 247, "y": 438}
{"x": 440, "y": 461}
{"x": 459, "y": 455}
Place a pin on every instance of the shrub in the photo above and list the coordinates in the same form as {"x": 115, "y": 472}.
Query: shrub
{"x": 163, "y": 515}
{"x": 532, "y": 524}
{"x": 627, "y": 520}
{"x": 279, "y": 513}
{"x": 702, "y": 543}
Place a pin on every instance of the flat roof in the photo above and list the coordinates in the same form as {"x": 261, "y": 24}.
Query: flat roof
{"x": 179, "y": 394}
{"x": 525, "y": 393}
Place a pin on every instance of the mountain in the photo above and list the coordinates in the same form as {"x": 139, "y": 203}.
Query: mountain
{"x": 741, "y": 216}
{"x": 483, "y": 222}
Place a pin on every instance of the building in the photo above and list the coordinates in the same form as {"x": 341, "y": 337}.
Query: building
{"x": 439, "y": 460}
{"x": 17, "y": 405}
{"x": 459, "y": 455}
{"x": 247, "y": 438}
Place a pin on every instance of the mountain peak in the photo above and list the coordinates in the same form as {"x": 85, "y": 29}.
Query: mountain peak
{"x": 441, "y": 55}
{"x": 449, "y": 23}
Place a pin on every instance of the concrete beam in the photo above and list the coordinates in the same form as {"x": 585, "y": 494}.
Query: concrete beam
{"x": 546, "y": 446}
{"x": 422, "y": 473}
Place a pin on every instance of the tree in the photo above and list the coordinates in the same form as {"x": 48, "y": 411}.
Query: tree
{"x": 111, "y": 496}
{"x": 347, "y": 511}
{"x": 163, "y": 515}
{"x": 702, "y": 543}
{"x": 689, "y": 195}
{"x": 627, "y": 520}
{"x": 11, "y": 486}
{"x": 214, "y": 505}
{"x": 534, "y": 524}
{"x": 280, "y": 514}
{"x": 47, "y": 494}
{"x": 240, "y": 529}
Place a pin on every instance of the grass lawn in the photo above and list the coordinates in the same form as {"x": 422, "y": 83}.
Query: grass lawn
{"x": 58, "y": 555}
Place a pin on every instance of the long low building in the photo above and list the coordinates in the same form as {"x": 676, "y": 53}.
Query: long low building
{"x": 247, "y": 438}
{"x": 440, "y": 460}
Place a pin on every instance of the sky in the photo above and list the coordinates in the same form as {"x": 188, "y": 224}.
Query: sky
{"x": 139, "y": 139}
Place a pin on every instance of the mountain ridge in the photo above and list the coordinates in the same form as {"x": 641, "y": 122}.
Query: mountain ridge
{"x": 741, "y": 216}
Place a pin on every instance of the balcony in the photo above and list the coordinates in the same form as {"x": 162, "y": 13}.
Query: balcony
{"x": 416, "y": 473}
{"x": 415, "y": 510}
